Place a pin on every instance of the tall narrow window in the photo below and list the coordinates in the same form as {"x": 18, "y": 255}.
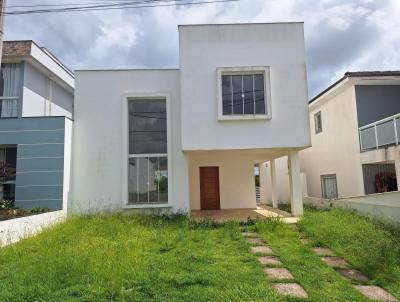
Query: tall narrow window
{"x": 318, "y": 122}
{"x": 148, "y": 164}
{"x": 9, "y": 89}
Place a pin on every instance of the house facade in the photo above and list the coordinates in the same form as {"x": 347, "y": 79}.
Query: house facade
{"x": 355, "y": 127}
{"x": 361, "y": 112}
{"x": 36, "y": 111}
{"x": 188, "y": 139}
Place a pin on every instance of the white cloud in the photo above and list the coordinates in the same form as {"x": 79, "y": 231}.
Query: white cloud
{"x": 340, "y": 35}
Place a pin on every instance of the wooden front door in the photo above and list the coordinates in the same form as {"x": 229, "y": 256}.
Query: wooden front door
{"x": 209, "y": 188}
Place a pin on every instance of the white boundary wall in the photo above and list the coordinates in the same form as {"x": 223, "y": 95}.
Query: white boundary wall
{"x": 382, "y": 206}
{"x": 16, "y": 229}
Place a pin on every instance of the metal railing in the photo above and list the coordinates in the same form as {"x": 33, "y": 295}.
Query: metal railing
{"x": 258, "y": 194}
{"x": 380, "y": 134}
{"x": 8, "y": 107}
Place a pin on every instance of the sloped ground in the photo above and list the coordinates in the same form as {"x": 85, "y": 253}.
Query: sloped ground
{"x": 133, "y": 258}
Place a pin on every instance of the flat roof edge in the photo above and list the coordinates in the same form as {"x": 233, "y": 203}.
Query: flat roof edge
{"x": 246, "y": 23}
{"x": 129, "y": 69}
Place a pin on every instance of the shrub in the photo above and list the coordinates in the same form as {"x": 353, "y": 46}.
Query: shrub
{"x": 6, "y": 204}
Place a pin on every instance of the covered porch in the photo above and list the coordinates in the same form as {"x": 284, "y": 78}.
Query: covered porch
{"x": 242, "y": 215}
{"x": 222, "y": 183}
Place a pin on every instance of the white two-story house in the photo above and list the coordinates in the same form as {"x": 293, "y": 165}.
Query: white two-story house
{"x": 36, "y": 111}
{"x": 188, "y": 139}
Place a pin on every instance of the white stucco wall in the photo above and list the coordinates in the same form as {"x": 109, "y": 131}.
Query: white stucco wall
{"x": 42, "y": 98}
{"x": 282, "y": 181}
{"x": 99, "y": 173}
{"x": 16, "y": 229}
{"x": 280, "y": 47}
{"x": 236, "y": 178}
{"x": 336, "y": 149}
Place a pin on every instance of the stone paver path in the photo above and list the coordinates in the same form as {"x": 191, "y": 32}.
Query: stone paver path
{"x": 278, "y": 274}
{"x": 372, "y": 292}
{"x": 335, "y": 262}
{"x": 261, "y": 249}
{"x": 322, "y": 251}
{"x": 270, "y": 260}
{"x": 352, "y": 274}
{"x": 257, "y": 241}
{"x": 273, "y": 273}
{"x": 290, "y": 289}
{"x": 375, "y": 293}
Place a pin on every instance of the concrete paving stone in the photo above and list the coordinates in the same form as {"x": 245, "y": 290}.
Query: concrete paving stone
{"x": 261, "y": 249}
{"x": 256, "y": 241}
{"x": 278, "y": 274}
{"x": 250, "y": 234}
{"x": 290, "y": 289}
{"x": 270, "y": 260}
{"x": 375, "y": 293}
{"x": 322, "y": 251}
{"x": 335, "y": 262}
{"x": 352, "y": 274}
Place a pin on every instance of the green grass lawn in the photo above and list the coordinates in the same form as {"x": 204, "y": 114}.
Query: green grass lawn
{"x": 133, "y": 258}
{"x": 368, "y": 245}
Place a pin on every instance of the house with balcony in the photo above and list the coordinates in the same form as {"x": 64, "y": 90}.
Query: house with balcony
{"x": 187, "y": 139}
{"x": 355, "y": 134}
{"x": 36, "y": 111}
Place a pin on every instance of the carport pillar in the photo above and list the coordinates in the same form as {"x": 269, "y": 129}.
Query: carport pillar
{"x": 273, "y": 185}
{"x": 296, "y": 196}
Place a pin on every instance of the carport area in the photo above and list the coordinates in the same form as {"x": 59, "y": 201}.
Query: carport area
{"x": 222, "y": 183}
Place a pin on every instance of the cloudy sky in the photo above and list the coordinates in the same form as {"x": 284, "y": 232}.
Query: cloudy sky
{"x": 341, "y": 35}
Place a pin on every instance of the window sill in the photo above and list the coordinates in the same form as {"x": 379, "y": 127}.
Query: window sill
{"x": 147, "y": 205}
{"x": 244, "y": 117}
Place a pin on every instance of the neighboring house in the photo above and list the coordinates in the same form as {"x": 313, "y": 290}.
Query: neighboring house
{"x": 355, "y": 132}
{"x": 188, "y": 139}
{"x": 36, "y": 111}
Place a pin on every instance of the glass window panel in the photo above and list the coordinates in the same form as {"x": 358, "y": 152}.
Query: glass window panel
{"x": 385, "y": 133}
{"x": 147, "y": 126}
{"x": 163, "y": 179}
{"x": 133, "y": 181}
{"x": 368, "y": 138}
{"x": 248, "y": 94}
{"x": 10, "y": 79}
{"x": 237, "y": 94}
{"x": 398, "y": 129}
{"x": 226, "y": 95}
{"x": 148, "y": 179}
{"x": 153, "y": 180}
{"x": 259, "y": 93}
{"x": 142, "y": 171}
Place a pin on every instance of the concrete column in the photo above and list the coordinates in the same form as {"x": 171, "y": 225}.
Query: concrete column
{"x": 273, "y": 185}
{"x": 296, "y": 195}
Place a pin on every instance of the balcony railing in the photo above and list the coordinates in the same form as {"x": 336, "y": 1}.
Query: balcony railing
{"x": 8, "y": 107}
{"x": 383, "y": 133}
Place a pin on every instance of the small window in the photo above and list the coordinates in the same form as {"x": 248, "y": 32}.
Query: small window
{"x": 329, "y": 186}
{"x": 243, "y": 92}
{"x": 318, "y": 122}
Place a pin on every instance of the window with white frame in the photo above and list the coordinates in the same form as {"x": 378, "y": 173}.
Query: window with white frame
{"x": 243, "y": 92}
{"x": 148, "y": 162}
{"x": 10, "y": 77}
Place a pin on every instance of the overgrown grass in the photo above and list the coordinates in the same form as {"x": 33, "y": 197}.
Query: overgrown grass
{"x": 141, "y": 258}
{"x": 321, "y": 282}
{"x": 368, "y": 245}
{"x": 121, "y": 258}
